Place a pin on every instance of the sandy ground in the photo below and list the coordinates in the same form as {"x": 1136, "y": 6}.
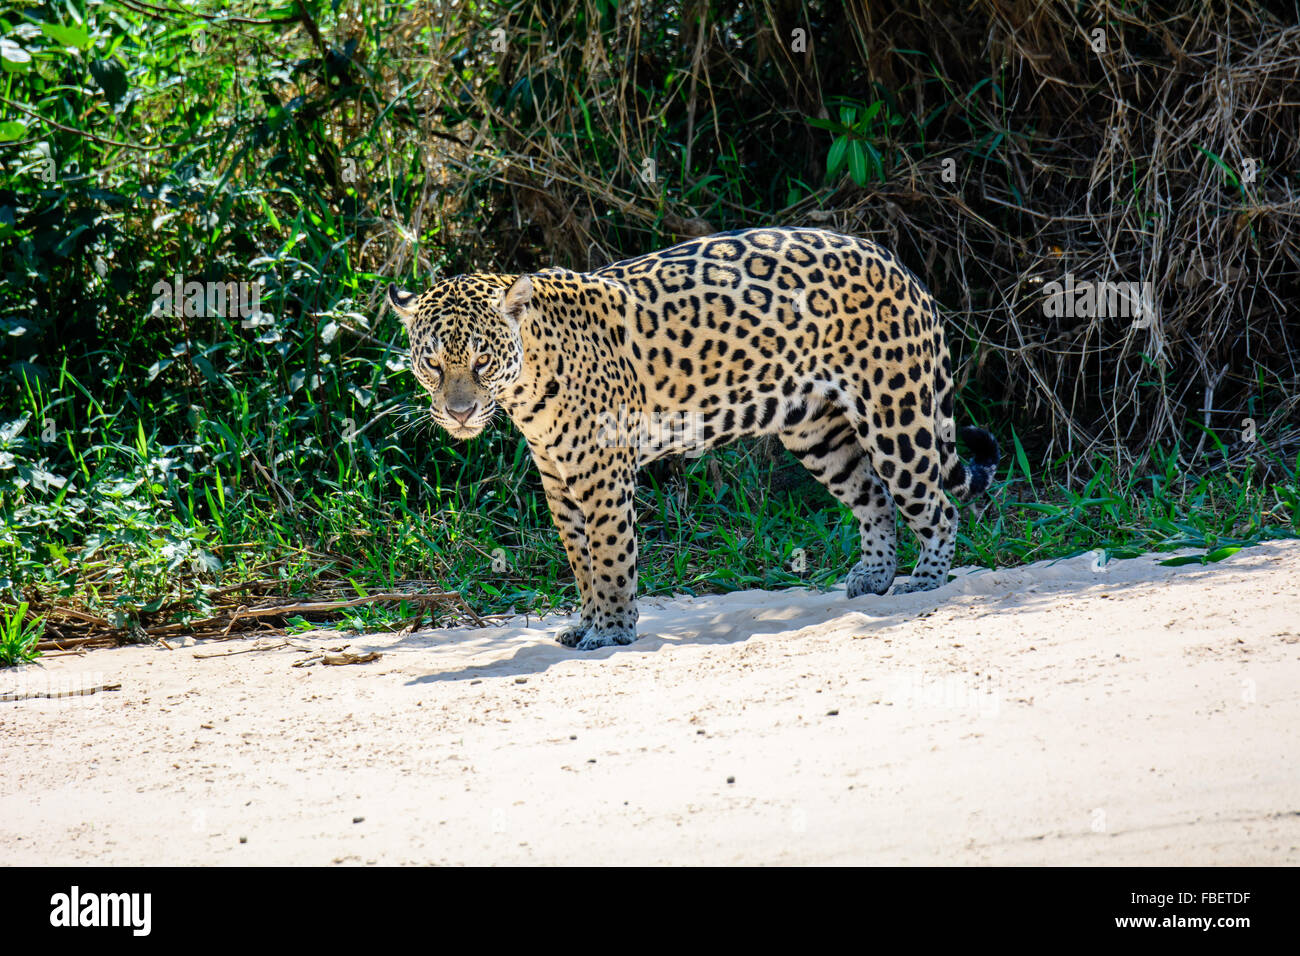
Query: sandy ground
{"x": 1063, "y": 713}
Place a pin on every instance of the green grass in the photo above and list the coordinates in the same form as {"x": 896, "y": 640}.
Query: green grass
{"x": 19, "y": 634}
{"x": 138, "y": 527}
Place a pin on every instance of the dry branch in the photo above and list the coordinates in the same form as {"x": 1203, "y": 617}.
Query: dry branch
{"x": 89, "y": 630}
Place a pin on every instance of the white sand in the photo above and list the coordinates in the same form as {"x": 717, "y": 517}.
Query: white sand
{"x": 1059, "y": 713}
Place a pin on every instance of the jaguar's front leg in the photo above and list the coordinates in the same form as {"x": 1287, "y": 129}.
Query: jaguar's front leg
{"x": 606, "y": 494}
{"x": 569, "y": 521}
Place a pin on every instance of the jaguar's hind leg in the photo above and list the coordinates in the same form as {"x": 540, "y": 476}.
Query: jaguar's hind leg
{"x": 828, "y": 447}
{"x": 912, "y": 476}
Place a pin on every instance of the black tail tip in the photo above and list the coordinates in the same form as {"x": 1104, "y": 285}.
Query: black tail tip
{"x": 982, "y": 445}
{"x": 982, "y": 469}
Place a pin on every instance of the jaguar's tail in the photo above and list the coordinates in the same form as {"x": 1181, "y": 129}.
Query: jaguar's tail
{"x": 968, "y": 479}
{"x": 964, "y": 479}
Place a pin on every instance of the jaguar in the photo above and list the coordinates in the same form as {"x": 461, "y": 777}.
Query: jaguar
{"x": 826, "y": 341}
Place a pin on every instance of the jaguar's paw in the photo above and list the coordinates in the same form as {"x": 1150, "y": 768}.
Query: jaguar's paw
{"x": 572, "y": 636}
{"x": 864, "y": 579}
{"x": 606, "y": 637}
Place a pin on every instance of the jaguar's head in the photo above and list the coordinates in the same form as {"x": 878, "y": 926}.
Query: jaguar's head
{"x": 465, "y": 344}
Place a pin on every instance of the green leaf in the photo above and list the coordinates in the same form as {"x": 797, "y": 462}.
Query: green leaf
{"x": 857, "y": 162}
{"x": 1221, "y": 553}
{"x": 831, "y": 125}
{"x": 68, "y": 244}
{"x": 869, "y": 114}
{"x": 1022, "y": 458}
{"x": 270, "y": 215}
{"x": 877, "y": 164}
{"x": 11, "y": 130}
{"x": 111, "y": 79}
{"x": 1227, "y": 170}
{"x": 67, "y": 36}
{"x": 835, "y": 158}
{"x": 1208, "y": 558}
{"x": 13, "y": 57}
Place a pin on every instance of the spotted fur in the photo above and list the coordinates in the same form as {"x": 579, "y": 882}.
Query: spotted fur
{"x": 824, "y": 340}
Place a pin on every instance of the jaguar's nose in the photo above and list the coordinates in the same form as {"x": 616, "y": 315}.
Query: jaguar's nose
{"x": 462, "y": 413}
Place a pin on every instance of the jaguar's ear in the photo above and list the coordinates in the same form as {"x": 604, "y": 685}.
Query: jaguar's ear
{"x": 516, "y": 299}
{"x": 403, "y": 303}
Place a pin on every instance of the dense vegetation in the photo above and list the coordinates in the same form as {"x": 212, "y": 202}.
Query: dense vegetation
{"x": 322, "y": 149}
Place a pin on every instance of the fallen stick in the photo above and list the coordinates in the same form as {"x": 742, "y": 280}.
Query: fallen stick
{"x": 9, "y": 695}
{"x": 231, "y": 588}
{"x": 241, "y": 650}
{"x": 240, "y": 636}
{"x": 350, "y": 657}
{"x": 335, "y": 656}
{"x": 78, "y": 616}
{"x": 72, "y": 644}
{"x": 316, "y": 607}
{"x": 65, "y": 643}
{"x": 221, "y": 626}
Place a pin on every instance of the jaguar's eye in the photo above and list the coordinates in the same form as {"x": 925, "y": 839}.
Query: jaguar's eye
{"x": 481, "y": 363}
{"x": 433, "y": 371}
